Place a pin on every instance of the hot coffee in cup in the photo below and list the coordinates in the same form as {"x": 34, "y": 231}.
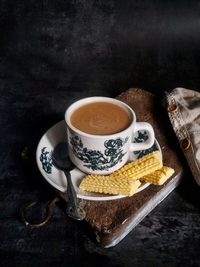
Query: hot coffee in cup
{"x": 100, "y": 131}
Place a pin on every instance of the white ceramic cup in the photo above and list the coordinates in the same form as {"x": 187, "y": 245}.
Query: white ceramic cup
{"x": 103, "y": 154}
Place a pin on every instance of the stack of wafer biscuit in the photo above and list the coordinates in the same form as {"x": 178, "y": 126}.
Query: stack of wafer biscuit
{"x": 127, "y": 179}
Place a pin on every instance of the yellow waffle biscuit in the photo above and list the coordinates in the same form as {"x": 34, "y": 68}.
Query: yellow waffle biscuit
{"x": 140, "y": 167}
{"x": 158, "y": 177}
{"x": 125, "y": 180}
{"x": 109, "y": 185}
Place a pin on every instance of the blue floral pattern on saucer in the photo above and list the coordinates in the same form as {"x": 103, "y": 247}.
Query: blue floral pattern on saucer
{"x": 141, "y": 137}
{"x": 46, "y": 160}
{"x": 56, "y": 178}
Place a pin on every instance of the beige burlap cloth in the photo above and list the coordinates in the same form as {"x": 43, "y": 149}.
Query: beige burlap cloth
{"x": 183, "y": 107}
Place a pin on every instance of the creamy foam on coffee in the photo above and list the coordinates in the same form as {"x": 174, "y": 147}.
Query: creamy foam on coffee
{"x": 100, "y": 118}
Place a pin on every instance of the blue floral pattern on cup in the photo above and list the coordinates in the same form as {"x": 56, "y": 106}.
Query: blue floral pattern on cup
{"x": 95, "y": 159}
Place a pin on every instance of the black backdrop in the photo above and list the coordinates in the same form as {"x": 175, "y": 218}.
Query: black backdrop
{"x": 99, "y": 47}
{"x": 54, "y": 52}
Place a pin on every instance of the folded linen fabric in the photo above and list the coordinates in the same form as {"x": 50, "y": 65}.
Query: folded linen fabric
{"x": 183, "y": 106}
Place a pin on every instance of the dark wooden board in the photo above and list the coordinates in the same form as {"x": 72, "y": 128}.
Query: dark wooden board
{"x": 113, "y": 220}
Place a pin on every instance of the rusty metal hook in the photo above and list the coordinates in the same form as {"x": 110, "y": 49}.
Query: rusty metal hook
{"x": 45, "y": 220}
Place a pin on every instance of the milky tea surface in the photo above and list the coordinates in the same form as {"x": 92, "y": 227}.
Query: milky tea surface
{"x": 100, "y": 118}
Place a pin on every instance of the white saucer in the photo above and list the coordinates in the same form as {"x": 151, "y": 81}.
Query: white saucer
{"x": 57, "y": 134}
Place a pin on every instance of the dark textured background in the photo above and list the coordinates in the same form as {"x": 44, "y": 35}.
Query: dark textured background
{"x": 54, "y": 52}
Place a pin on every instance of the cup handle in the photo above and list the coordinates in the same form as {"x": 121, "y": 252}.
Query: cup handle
{"x": 143, "y": 126}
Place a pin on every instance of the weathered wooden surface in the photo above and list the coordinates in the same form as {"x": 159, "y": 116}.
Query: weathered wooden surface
{"x": 54, "y": 52}
{"x": 113, "y": 220}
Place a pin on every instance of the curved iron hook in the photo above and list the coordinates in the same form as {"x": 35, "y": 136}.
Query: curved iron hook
{"x": 45, "y": 220}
